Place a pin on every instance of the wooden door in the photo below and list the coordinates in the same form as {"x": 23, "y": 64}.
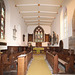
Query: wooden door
{"x": 30, "y": 37}
{"x": 46, "y": 37}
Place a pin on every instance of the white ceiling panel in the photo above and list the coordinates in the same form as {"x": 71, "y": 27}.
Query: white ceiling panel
{"x": 34, "y": 10}
{"x": 46, "y": 8}
{"x": 50, "y": 1}
{"x": 25, "y": 1}
{"x": 28, "y": 8}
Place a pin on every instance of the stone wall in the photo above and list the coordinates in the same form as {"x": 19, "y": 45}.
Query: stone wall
{"x": 72, "y": 43}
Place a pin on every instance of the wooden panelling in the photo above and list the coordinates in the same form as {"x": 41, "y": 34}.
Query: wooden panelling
{"x": 1, "y": 69}
{"x": 1, "y": 65}
{"x": 53, "y": 61}
{"x": 3, "y": 43}
{"x": 38, "y": 44}
{"x": 30, "y": 37}
{"x": 46, "y": 37}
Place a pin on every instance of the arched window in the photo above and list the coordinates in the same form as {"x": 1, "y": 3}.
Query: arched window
{"x": 65, "y": 22}
{"x": 38, "y": 34}
{"x": 2, "y": 20}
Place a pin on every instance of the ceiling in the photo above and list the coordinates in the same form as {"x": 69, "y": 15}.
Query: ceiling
{"x": 38, "y": 12}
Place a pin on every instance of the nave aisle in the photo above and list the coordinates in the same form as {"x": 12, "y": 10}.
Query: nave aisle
{"x": 38, "y": 66}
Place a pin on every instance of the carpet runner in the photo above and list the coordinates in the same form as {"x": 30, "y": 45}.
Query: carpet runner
{"x": 38, "y": 66}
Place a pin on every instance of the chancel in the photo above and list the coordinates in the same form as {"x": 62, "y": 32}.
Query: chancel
{"x": 37, "y": 37}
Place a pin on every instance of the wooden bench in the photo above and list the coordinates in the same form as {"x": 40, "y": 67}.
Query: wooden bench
{"x": 1, "y": 65}
{"x": 22, "y": 64}
{"x": 34, "y": 51}
{"x": 29, "y": 57}
{"x": 1, "y": 68}
{"x": 53, "y": 61}
{"x": 23, "y": 61}
{"x": 64, "y": 63}
{"x": 67, "y": 61}
{"x": 6, "y": 63}
{"x": 42, "y": 51}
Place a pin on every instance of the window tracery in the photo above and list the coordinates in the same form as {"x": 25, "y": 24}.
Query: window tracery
{"x": 38, "y": 34}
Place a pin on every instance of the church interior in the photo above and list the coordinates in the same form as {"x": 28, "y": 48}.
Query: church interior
{"x": 37, "y": 37}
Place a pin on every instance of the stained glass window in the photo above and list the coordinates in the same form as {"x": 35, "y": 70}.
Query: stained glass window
{"x": 2, "y": 20}
{"x": 38, "y": 34}
{"x": 3, "y": 12}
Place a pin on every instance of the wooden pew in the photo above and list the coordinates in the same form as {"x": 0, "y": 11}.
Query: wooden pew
{"x": 53, "y": 61}
{"x": 42, "y": 51}
{"x": 67, "y": 61}
{"x": 22, "y": 65}
{"x": 12, "y": 52}
{"x": 34, "y": 51}
{"x": 6, "y": 63}
{"x": 17, "y": 54}
{"x": 1, "y": 65}
{"x": 1, "y": 69}
{"x": 29, "y": 57}
{"x": 23, "y": 61}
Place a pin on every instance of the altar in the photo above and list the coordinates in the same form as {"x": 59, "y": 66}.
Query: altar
{"x": 38, "y": 49}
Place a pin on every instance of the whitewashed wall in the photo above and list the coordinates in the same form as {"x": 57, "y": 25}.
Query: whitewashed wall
{"x": 47, "y": 30}
{"x": 70, "y": 4}
{"x": 14, "y": 18}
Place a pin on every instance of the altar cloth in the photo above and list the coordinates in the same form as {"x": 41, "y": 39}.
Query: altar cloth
{"x": 38, "y": 49}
